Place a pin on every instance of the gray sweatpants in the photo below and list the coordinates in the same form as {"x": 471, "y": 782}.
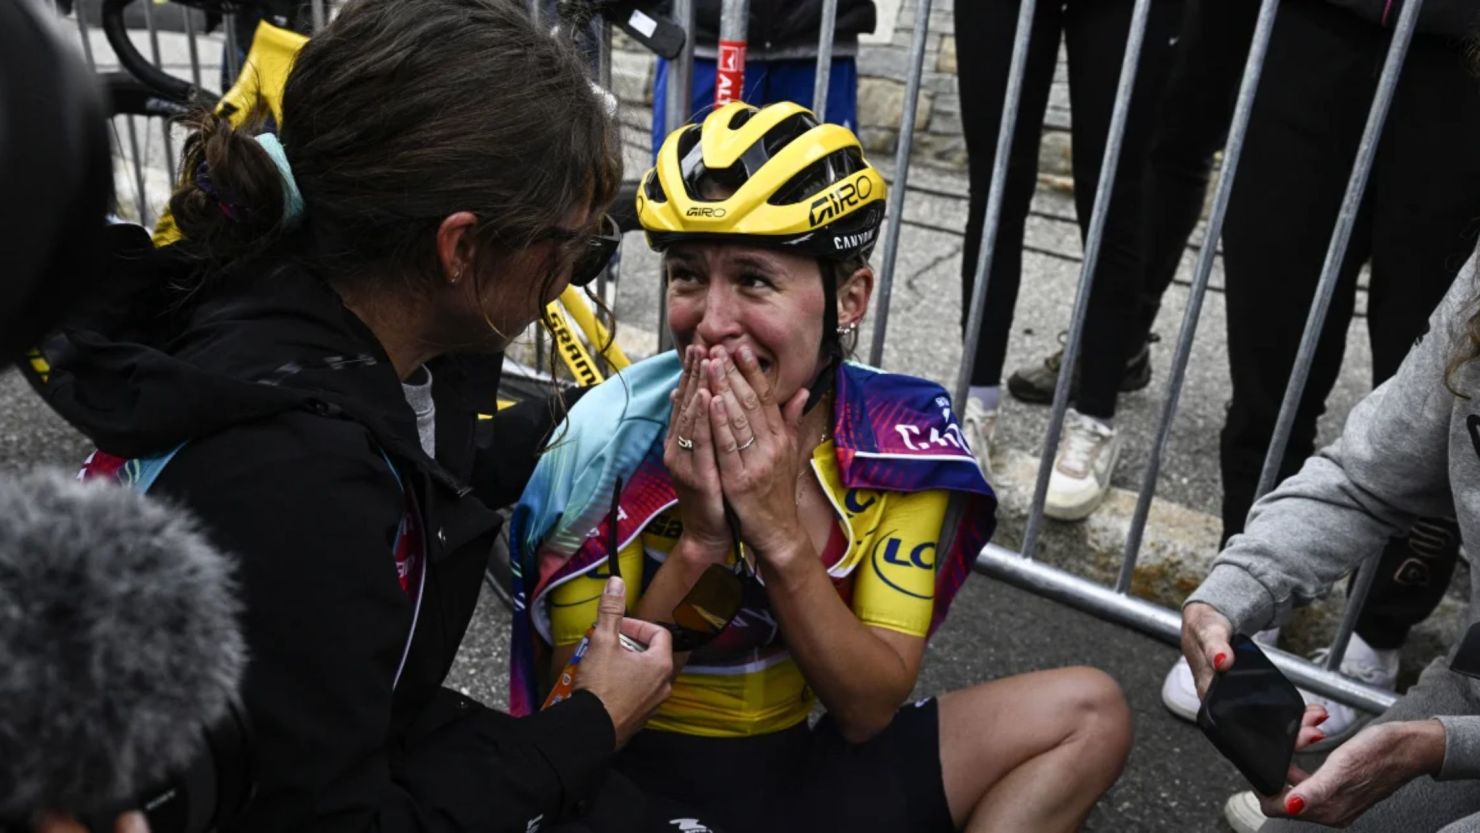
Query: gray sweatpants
{"x": 1424, "y": 805}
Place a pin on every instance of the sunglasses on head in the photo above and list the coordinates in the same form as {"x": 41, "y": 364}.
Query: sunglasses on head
{"x": 709, "y": 606}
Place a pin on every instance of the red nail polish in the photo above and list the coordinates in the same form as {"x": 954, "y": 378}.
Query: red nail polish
{"x": 1294, "y": 805}
{"x": 1219, "y": 659}
{"x": 1317, "y": 737}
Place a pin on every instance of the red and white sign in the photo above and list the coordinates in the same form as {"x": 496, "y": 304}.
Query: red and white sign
{"x": 730, "y": 75}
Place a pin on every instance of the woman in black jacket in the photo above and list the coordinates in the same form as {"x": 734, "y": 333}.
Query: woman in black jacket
{"x": 440, "y": 175}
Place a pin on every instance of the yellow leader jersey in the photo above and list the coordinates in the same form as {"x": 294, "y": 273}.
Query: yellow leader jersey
{"x": 881, "y": 559}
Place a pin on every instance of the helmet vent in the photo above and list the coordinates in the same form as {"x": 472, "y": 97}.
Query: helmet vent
{"x": 738, "y": 120}
{"x": 715, "y": 184}
{"x": 786, "y": 131}
{"x": 653, "y": 189}
{"x": 818, "y": 176}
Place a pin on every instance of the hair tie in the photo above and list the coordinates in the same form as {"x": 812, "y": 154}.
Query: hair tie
{"x": 292, "y": 197}
{"x": 224, "y": 201}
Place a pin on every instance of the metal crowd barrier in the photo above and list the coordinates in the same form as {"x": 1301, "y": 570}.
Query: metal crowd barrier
{"x": 1114, "y": 604}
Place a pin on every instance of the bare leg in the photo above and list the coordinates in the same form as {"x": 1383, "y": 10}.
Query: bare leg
{"x": 1034, "y": 751}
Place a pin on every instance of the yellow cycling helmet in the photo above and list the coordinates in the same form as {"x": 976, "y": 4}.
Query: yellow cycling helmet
{"x": 772, "y": 175}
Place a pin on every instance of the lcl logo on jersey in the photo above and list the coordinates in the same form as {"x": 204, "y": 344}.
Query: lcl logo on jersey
{"x": 890, "y": 550}
{"x": 859, "y": 500}
{"x": 835, "y": 202}
{"x": 894, "y": 549}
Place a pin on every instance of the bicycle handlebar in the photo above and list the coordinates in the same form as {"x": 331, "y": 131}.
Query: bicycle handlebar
{"x": 128, "y": 96}
{"x": 167, "y": 86}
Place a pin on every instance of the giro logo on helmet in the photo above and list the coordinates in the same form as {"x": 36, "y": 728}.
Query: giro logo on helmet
{"x": 835, "y": 202}
{"x": 705, "y": 211}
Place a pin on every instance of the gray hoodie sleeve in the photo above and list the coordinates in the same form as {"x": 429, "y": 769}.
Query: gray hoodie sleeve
{"x": 1388, "y": 467}
{"x": 1461, "y": 747}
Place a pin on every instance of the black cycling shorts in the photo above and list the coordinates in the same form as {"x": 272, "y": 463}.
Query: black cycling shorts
{"x": 804, "y": 779}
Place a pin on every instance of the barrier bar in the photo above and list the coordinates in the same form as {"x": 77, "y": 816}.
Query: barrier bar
{"x": 82, "y": 31}
{"x": 192, "y": 41}
{"x": 139, "y": 197}
{"x": 1177, "y": 373}
{"x": 1103, "y": 193}
{"x": 729, "y": 76}
{"x": 164, "y": 124}
{"x": 826, "y": 34}
{"x": 1166, "y": 625}
{"x": 993, "y": 219}
{"x": 681, "y": 71}
{"x": 153, "y": 33}
{"x": 1336, "y": 253}
{"x": 230, "y": 59}
{"x": 608, "y": 275}
{"x": 680, "y": 94}
{"x": 1366, "y": 574}
{"x": 904, "y": 145}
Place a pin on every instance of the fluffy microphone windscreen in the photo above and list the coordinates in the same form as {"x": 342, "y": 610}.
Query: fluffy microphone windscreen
{"x": 119, "y": 642}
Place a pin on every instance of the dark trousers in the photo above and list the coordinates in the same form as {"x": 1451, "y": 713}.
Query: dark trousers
{"x": 1416, "y": 227}
{"x": 1094, "y": 33}
{"x": 1192, "y": 125}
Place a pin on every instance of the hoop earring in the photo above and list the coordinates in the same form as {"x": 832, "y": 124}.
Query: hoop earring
{"x": 489, "y": 322}
{"x": 478, "y": 291}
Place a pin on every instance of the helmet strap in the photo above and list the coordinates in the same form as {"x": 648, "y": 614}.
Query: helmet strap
{"x": 831, "y": 349}
{"x": 822, "y": 384}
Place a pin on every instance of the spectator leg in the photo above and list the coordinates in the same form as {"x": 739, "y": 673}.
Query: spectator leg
{"x": 988, "y": 25}
{"x": 1095, "y": 33}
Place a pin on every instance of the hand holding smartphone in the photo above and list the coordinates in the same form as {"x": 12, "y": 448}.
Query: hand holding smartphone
{"x": 1252, "y": 715}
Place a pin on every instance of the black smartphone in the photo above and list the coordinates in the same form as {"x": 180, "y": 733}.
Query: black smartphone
{"x": 1252, "y": 715}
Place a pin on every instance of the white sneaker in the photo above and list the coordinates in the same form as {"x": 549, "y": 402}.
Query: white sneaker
{"x": 1081, "y": 472}
{"x": 1179, "y": 691}
{"x": 1243, "y": 813}
{"x": 979, "y": 424}
{"x": 1362, "y": 662}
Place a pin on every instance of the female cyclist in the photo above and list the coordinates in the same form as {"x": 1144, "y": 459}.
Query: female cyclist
{"x": 834, "y": 479}
{"x": 440, "y": 175}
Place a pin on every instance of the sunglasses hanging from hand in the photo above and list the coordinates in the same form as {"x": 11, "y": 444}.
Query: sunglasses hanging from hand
{"x": 701, "y": 616}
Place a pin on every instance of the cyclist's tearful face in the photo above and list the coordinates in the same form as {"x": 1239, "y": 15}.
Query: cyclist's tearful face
{"x": 733, "y": 295}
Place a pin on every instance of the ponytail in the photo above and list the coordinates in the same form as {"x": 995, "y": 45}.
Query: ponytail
{"x": 231, "y": 201}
